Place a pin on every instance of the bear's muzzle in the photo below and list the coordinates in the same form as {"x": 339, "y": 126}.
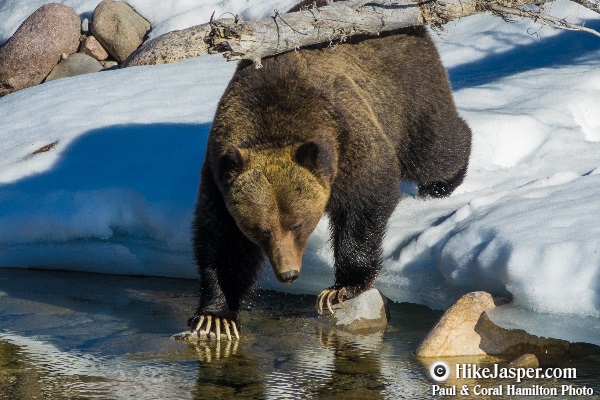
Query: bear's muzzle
{"x": 286, "y": 258}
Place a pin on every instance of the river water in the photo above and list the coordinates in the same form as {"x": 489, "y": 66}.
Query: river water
{"x": 66, "y": 335}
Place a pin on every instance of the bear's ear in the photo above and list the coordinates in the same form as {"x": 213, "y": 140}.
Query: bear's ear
{"x": 232, "y": 163}
{"x": 318, "y": 156}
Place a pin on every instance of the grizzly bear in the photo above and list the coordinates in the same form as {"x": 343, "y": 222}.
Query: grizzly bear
{"x": 320, "y": 131}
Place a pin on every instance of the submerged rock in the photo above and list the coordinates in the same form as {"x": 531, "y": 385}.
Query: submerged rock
{"x": 119, "y": 28}
{"x": 36, "y": 47}
{"x": 525, "y": 361}
{"x": 367, "y": 312}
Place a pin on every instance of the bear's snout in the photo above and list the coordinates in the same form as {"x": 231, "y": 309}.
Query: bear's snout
{"x": 288, "y": 276}
{"x": 285, "y": 256}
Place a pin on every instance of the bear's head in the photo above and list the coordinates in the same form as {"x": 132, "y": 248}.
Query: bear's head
{"x": 277, "y": 197}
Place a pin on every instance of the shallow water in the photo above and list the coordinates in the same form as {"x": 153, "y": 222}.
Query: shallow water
{"x": 80, "y": 336}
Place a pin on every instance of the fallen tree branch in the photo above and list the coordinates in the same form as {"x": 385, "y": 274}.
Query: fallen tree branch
{"x": 332, "y": 23}
{"x": 171, "y": 47}
{"x": 280, "y": 33}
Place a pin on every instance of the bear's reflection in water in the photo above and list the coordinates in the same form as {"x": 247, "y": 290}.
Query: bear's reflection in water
{"x": 285, "y": 354}
{"x": 336, "y": 364}
{"x": 224, "y": 373}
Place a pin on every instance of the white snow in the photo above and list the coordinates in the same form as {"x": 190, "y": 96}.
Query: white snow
{"x": 116, "y": 193}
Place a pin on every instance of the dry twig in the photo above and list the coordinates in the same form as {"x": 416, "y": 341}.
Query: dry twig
{"x": 542, "y": 18}
{"x": 593, "y": 5}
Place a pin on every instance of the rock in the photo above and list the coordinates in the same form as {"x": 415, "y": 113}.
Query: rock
{"x": 365, "y": 313}
{"x": 35, "y": 48}
{"x": 119, "y": 28}
{"x": 525, "y": 361}
{"x": 466, "y": 330}
{"x": 92, "y": 47}
{"x": 85, "y": 25}
{"x": 454, "y": 334}
{"x": 77, "y": 64}
{"x": 171, "y": 47}
{"x": 110, "y": 64}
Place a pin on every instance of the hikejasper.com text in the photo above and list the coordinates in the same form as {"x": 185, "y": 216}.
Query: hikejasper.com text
{"x": 473, "y": 371}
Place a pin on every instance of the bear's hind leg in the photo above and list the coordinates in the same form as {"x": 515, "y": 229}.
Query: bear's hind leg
{"x": 440, "y": 163}
{"x": 443, "y": 188}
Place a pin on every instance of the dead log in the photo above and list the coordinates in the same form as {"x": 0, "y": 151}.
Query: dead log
{"x": 332, "y": 23}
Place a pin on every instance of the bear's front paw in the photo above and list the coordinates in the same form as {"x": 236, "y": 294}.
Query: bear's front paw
{"x": 210, "y": 325}
{"x": 331, "y": 296}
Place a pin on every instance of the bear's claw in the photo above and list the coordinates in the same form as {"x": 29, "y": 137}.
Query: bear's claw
{"x": 207, "y": 321}
{"x": 327, "y": 296}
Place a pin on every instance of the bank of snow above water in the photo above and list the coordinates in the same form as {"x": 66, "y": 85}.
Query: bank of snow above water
{"x": 116, "y": 192}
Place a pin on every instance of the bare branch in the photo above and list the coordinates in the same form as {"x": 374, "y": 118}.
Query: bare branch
{"x": 543, "y": 18}
{"x": 593, "y": 5}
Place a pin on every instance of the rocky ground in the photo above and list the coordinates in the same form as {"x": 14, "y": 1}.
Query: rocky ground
{"x": 55, "y": 43}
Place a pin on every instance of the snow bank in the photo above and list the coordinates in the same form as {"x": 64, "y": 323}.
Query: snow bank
{"x": 116, "y": 192}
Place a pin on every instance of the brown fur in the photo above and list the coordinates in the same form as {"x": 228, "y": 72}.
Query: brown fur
{"x": 320, "y": 131}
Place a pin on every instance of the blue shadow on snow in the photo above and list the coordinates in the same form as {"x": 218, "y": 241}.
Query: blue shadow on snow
{"x": 565, "y": 48}
{"x": 161, "y": 161}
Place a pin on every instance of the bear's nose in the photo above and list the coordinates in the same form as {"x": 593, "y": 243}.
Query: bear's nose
{"x": 288, "y": 276}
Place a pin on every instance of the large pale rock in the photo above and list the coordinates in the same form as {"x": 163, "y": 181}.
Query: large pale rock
{"x": 92, "y": 47}
{"x": 454, "y": 334}
{"x": 77, "y": 64}
{"x": 36, "y": 47}
{"x": 119, "y": 28}
{"x": 466, "y": 330}
{"x": 367, "y": 312}
{"x": 171, "y": 47}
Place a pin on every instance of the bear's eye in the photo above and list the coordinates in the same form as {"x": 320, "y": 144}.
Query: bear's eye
{"x": 262, "y": 234}
{"x": 296, "y": 227}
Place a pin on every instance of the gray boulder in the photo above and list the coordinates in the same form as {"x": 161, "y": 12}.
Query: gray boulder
{"x": 77, "y": 64}
{"x": 36, "y": 47}
{"x": 119, "y": 28}
{"x": 365, "y": 313}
